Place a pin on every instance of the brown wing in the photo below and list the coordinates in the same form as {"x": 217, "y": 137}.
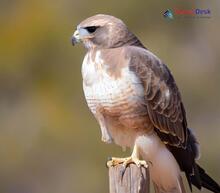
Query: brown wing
{"x": 162, "y": 97}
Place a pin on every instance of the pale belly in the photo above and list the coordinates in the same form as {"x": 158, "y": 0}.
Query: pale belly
{"x": 121, "y": 101}
{"x": 114, "y": 96}
{"x": 122, "y": 97}
{"x": 122, "y": 106}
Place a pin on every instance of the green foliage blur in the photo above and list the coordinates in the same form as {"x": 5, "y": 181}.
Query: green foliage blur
{"x": 49, "y": 141}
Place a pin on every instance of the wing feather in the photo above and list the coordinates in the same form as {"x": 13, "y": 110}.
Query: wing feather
{"x": 162, "y": 97}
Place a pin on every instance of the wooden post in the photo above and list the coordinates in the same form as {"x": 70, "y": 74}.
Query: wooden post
{"x": 134, "y": 180}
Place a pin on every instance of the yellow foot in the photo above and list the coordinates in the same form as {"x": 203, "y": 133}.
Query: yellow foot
{"x": 126, "y": 161}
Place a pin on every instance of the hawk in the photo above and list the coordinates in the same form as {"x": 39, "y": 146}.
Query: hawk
{"x": 137, "y": 104}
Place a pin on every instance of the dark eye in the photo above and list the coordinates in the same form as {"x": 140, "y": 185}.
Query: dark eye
{"x": 91, "y": 29}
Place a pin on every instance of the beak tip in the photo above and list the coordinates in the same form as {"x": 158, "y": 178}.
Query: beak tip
{"x": 73, "y": 40}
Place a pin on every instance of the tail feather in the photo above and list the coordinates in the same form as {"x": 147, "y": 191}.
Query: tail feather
{"x": 205, "y": 181}
{"x": 194, "y": 173}
{"x": 189, "y": 181}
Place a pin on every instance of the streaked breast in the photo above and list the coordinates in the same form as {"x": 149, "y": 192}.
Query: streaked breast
{"x": 102, "y": 89}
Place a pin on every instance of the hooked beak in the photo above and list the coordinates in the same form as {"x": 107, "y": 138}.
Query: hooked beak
{"x": 75, "y": 38}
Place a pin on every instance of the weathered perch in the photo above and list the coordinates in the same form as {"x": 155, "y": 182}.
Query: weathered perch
{"x": 134, "y": 180}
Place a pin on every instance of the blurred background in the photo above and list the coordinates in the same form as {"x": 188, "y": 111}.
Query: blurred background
{"x": 49, "y": 141}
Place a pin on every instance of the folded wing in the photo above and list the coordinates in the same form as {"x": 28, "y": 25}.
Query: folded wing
{"x": 162, "y": 97}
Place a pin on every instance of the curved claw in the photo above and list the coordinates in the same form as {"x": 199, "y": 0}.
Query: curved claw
{"x": 125, "y": 162}
{"x": 113, "y": 161}
{"x": 136, "y": 161}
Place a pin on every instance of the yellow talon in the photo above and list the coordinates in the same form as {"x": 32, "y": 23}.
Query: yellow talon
{"x": 134, "y": 158}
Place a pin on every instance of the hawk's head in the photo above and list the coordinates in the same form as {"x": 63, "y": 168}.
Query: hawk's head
{"x": 103, "y": 31}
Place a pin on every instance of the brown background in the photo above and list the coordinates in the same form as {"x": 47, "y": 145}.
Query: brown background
{"x": 49, "y": 141}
